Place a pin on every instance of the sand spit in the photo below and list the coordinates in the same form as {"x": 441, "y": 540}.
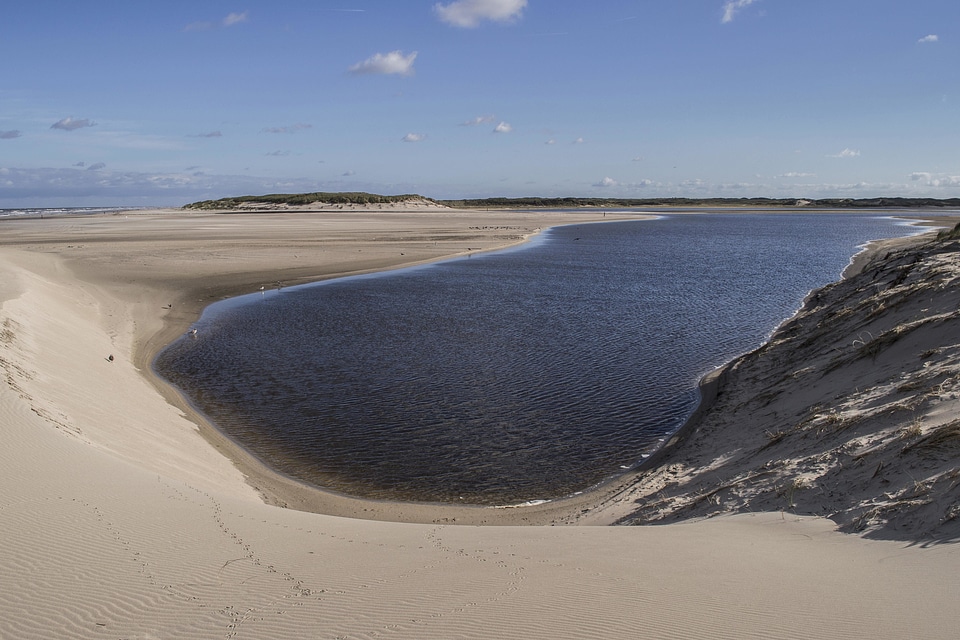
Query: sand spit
{"x": 118, "y": 520}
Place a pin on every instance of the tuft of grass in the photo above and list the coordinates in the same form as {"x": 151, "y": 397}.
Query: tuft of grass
{"x": 773, "y": 438}
{"x": 913, "y": 430}
{"x": 950, "y": 234}
{"x": 790, "y": 491}
{"x": 946, "y": 436}
{"x": 872, "y": 347}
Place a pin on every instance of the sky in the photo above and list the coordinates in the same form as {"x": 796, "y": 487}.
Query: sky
{"x": 145, "y": 103}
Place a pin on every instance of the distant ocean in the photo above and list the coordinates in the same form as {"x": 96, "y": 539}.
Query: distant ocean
{"x": 59, "y": 211}
{"x": 526, "y": 374}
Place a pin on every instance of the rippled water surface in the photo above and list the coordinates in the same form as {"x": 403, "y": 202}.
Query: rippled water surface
{"x": 526, "y": 374}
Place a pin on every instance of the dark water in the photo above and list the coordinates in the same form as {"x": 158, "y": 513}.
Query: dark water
{"x": 526, "y": 374}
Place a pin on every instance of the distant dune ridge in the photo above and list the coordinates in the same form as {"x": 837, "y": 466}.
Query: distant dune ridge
{"x": 319, "y": 201}
{"x": 370, "y": 201}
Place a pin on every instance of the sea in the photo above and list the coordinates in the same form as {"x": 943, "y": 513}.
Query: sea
{"x": 50, "y": 212}
{"x": 515, "y": 376}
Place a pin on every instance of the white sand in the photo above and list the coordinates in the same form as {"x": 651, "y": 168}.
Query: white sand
{"x": 118, "y": 520}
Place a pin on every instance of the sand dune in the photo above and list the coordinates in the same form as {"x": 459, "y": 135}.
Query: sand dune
{"x": 848, "y": 412}
{"x": 120, "y": 520}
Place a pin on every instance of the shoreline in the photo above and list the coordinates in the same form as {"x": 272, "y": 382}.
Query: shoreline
{"x": 606, "y": 508}
{"x": 181, "y": 301}
{"x": 279, "y": 489}
{"x": 766, "y": 444}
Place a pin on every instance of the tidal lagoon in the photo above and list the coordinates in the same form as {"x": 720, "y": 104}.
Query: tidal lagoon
{"x": 501, "y": 378}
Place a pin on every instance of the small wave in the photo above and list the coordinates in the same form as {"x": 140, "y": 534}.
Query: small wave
{"x": 528, "y": 503}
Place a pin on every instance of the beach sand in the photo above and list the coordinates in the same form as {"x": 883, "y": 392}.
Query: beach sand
{"x": 123, "y": 516}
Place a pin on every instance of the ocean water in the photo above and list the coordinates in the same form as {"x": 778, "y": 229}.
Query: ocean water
{"x": 27, "y": 212}
{"x": 525, "y": 374}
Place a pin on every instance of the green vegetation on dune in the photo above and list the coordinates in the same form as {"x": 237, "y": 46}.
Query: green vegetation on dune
{"x": 300, "y": 199}
{"x": 829, "y": 203}
{"x": 360, "y": 198}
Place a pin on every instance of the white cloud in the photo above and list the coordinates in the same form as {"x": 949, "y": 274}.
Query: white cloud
{"x": 846, "y": 153}
{"x": 103, "y": 187}
{"x": 550, "y": 141}
{"x": 69, "y": 124}
{"x": 414, "y": 137}
{"x": 503, "y": 127}
{"x": 230, "y": 20}
{"x": 731, "y": 8}
{"x": 235, "y": 18}
{"x": 291, "y": 129}
{"x": 278, "y": 153}
{"x": 930, "y": 38}
{"x": 478, "y": 120}
{"x": 470, "y": 13}
{"x": 935, "y": 180}
{"x": 386, "y": 63}
{"x": 606, "y": 182}
{"x": 9, "y": 135}
{"x": 796, "y": 174}
{"x": 579, "y": 141}
{"x": 637, "y": 159}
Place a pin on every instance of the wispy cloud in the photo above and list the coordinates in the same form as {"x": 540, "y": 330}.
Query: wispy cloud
{"x": 102, "y": 187}
{"x": 230, "y": 20}
{"x": 470, "y": 13}
{"x": 97, "y": 166}
{"x": 796, "y": 174}
{"x": 930, "y": 38}
{"x": 278, "y": 154}
{"x": 606, "y": 182}
{"x": 414, "y": 137}
{"x": 503, "y": 127}
{"x": 478, "y": 120}
{"x": 291, "y": 129}
{"x": 578, "y": 141}
{"x": 935, "y": 179}
{"x": 69, "y": 124}
{"x": 9, "y": 135}
{"x": 395, "y": 63}
{"x": 846, "y": 153}
{"x": 235, "y": 18}
{"x": 211, "y": 134}
{"x": 732, "y": 7}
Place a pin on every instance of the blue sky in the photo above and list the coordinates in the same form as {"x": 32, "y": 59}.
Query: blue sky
{"x": 150, "y": 103}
